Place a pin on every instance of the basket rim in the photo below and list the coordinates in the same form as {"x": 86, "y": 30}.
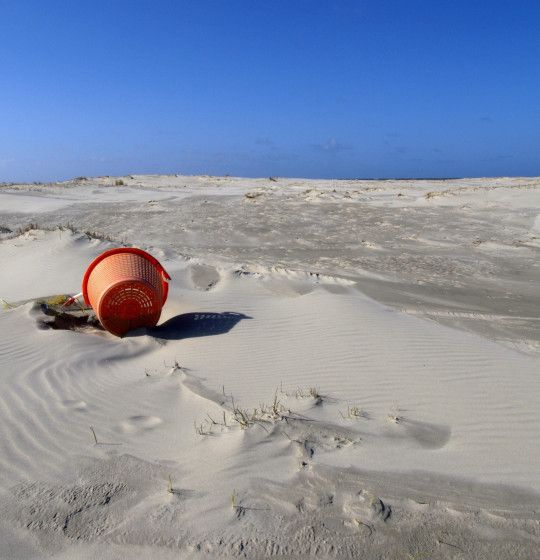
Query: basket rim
{"x": 133, "y": 250}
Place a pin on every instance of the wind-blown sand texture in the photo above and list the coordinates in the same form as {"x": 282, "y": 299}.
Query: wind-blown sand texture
{"x": 343, "y": 369}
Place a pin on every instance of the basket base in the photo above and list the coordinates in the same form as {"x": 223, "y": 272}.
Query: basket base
{"x": 129, "y": 305}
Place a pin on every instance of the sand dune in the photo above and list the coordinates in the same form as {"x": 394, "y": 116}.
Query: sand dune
{"x": 276, "y": 409}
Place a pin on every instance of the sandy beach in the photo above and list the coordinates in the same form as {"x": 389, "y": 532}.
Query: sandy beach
{"x": 344, "y": 369}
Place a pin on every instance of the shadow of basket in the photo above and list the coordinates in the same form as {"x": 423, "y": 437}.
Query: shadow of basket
{"x": 192, "y": 325}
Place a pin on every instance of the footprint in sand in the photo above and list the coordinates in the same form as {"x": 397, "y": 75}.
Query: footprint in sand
{"x": 139, "y": 423}
{"x": 75, "y": 405}
{"x": 204, "y": 277}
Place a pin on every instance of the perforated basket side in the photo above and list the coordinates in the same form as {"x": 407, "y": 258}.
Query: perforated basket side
{"x": 164, "y": 276}
{"x": 129, "y": 305}
{"x": 126, "y": 291}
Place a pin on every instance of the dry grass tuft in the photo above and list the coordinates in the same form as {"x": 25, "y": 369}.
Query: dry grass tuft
{"x": 94, "y": 434}
{"x": 28, "y": 227}
{"x": 56, "y": 300}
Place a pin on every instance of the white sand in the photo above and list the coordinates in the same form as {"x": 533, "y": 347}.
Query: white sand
{"x": 439, "y": 459}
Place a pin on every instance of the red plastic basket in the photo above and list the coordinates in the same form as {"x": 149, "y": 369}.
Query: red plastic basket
{"x": 127, "y": 288}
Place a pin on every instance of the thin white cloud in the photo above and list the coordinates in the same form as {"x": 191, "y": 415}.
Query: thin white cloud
{"x": 332, "y": 146}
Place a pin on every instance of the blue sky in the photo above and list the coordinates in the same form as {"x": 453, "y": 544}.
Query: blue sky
{"x": 369, "y": 88}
